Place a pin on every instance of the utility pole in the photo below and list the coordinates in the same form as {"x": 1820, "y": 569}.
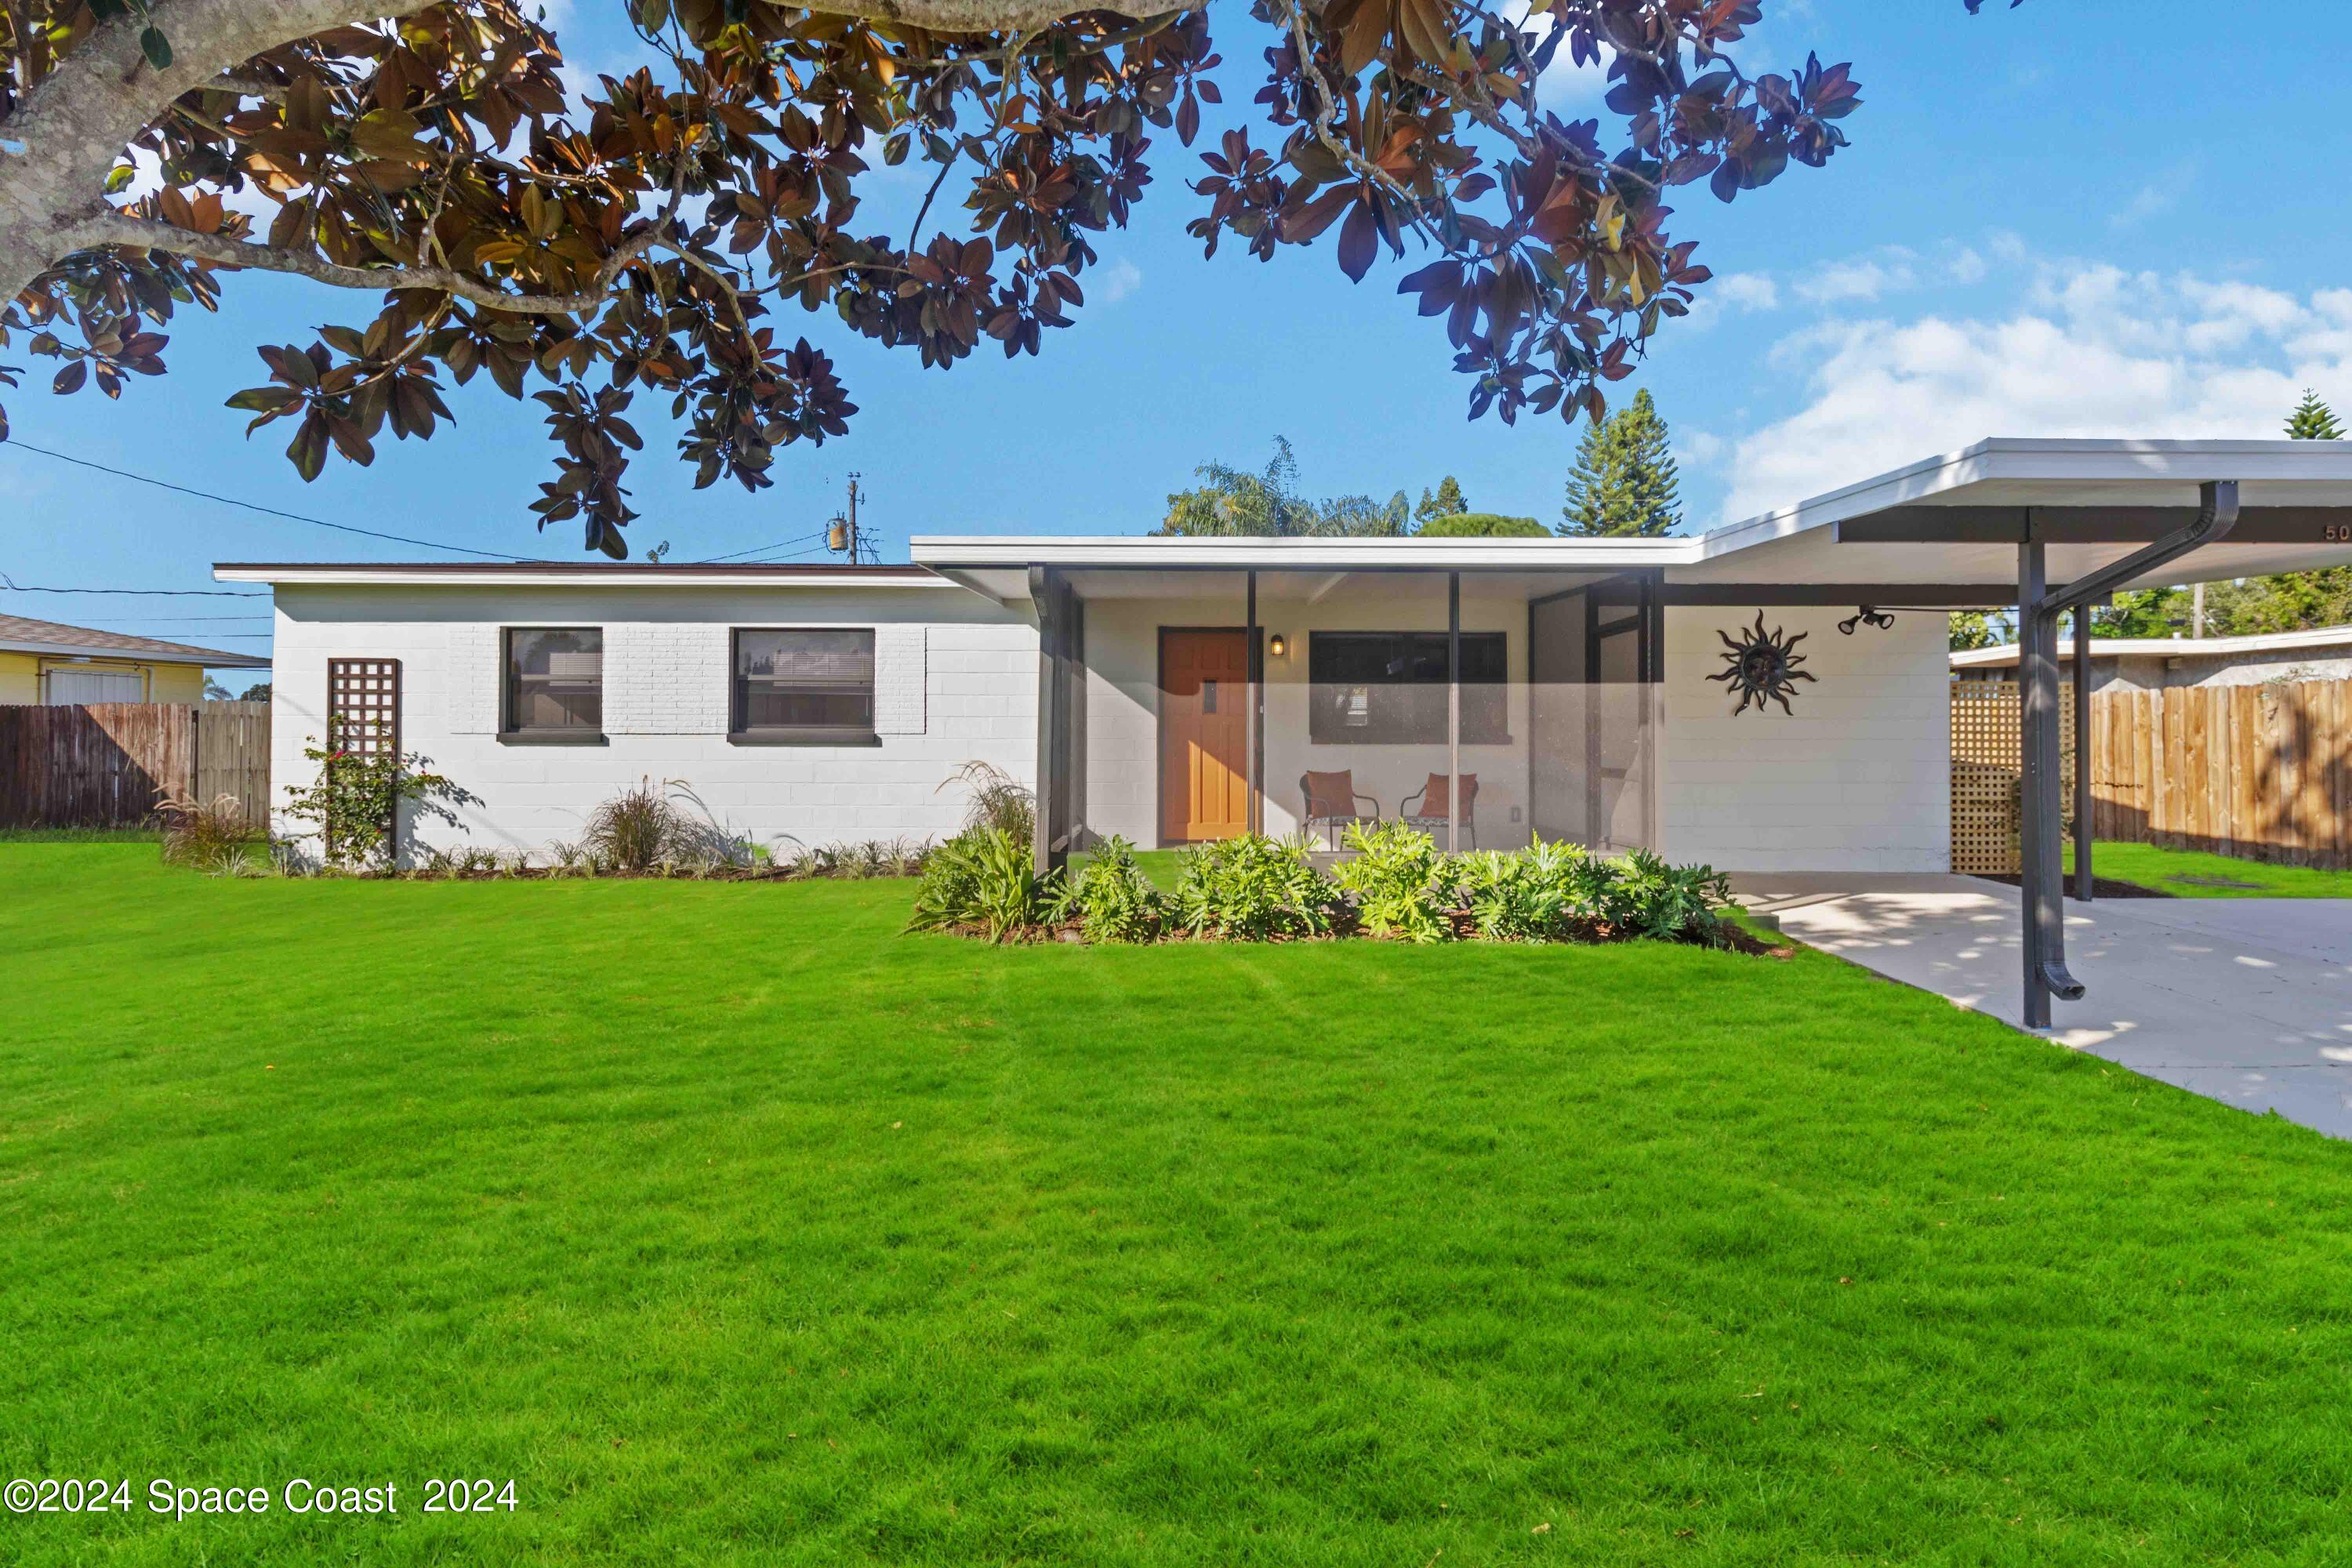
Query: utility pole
{"x": 844, "y": 537}
{"x": 2197, "y": 611}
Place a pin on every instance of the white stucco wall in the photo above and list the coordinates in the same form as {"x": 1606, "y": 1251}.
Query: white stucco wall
{"x": 956, "y": 678}
{"x": 1857, "y": 778}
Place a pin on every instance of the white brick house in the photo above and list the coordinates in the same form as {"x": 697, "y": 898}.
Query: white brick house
{"x": 1176, "y": 690}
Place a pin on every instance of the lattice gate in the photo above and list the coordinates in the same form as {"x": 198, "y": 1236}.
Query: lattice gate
{"x": 1987, "y": 734}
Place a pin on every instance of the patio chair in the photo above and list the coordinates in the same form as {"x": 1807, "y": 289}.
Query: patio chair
{"x": 1332, "y": 802}
{"x": 1431, "y": 817}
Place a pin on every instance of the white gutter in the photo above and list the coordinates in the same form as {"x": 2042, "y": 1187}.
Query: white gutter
{"x": 604, "y": 577}
{"x": 982, "y": 552}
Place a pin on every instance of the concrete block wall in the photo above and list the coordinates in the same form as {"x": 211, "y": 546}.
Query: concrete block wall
{"x": 956, "y": 679}
{"x": 1857, "y": 777}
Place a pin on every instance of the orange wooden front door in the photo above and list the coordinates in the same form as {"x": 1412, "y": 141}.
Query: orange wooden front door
{"x": 1203, "y": 735}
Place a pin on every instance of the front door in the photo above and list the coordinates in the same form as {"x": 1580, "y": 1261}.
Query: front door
{"x": 1203, "y": 734}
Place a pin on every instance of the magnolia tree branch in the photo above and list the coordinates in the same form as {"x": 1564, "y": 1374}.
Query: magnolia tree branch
{"x": 112, "y": 228}
{"x": 70, "y": 126}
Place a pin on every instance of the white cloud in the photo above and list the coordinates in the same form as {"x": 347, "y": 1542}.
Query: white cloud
{"x": 2089, "y": 350}
{"x": 1855, "y": 280}
{"x": 1111, "y": 284}
{"x": 1732, "y": 293}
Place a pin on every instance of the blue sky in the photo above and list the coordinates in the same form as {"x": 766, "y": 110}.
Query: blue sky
{"x": 2042, "y": 228}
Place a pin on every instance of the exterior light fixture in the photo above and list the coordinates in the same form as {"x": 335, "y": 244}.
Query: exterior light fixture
{"x": 1278, "y": 646}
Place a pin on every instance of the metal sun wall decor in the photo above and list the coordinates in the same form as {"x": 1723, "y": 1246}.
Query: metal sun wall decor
{"x": 1763, "y": 665}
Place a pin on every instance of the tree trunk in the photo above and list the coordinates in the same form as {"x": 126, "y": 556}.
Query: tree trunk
{"x": 74, "y": 124}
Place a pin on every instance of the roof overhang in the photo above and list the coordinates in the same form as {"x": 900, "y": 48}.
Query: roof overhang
{"x": 202, "y": 658}
{"x": 1960, "y": 517}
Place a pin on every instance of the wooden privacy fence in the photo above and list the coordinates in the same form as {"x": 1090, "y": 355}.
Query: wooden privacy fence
{"x": 2262, "y": 771}
{"x": 105, "y": 764}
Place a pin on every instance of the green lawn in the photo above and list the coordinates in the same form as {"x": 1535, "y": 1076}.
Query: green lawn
{"x": 2188, "y": 874}
{"x": 736, "y": 1228}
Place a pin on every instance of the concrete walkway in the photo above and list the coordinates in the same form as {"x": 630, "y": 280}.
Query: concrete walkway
{"x": 2247, "y": 1001}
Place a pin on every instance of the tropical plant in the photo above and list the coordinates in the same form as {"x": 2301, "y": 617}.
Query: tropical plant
{"x": 1625, "y": 482}
{"x": 355, "y": 794}
{"x": 998, "y": 799}
{"x": 1394, "y": 877}
{"x": 257, "y": 692}
{"x": 211, "y": 835}
{"x": 1650, "y": 897}
{"x": 1252, "y": 887}
{"x": 984, "y": 880}
{"x": 1527, "y": 895}
{"x": 1112, "y": 898}
{"x": 1230, "y": 502}
{"x": 1484, "y": 525}
{"x": 577, "y": 234}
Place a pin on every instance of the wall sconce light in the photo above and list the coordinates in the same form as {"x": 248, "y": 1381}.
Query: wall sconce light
{"x": 1278, "y": 646}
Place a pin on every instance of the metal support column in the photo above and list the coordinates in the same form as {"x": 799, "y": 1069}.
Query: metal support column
{"x": 2032, "y": 706}
{"x": 1453, "y": 712}
{"x": 1049, "y": 843}
{"x": 2083, "y": 878}
{"x": 1255, "y": 758}
{"x": 2039, "y": 834}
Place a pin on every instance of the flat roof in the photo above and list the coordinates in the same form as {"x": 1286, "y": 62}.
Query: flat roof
{"x": 2170, "y": 648}
{"x": 572, "y": 573}
{"x": 55, "y": 639}
{"x": 2296, "y": 498}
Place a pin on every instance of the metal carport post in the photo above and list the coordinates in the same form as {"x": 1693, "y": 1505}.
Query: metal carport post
{"x": 2040, "y": 861}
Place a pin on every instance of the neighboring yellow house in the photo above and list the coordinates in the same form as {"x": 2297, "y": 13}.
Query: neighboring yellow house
{"x": 44, "y": 662}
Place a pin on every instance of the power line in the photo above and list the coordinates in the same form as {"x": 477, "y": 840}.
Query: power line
{"x": 269, "y": 511}
{"x": 175, "y": 620}
{"x": 759, "y": 549}
{"x": 12, "y": 585}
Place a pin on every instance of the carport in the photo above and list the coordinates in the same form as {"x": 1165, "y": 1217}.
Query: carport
{"x": 2074, "y": 522}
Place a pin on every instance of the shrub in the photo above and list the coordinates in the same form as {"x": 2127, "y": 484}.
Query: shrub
{"x": 1527, "y": 895}
{"x": 998, "y": 799}
{"x": 355, "y": 797}
{"x": 1394, "y": 878}
{"x": 211, "y": 835}
{"x": 1252, "y": 887}
{"x": 1670, "y": 903}
{"x": 1113, "y": 899}
{"x": 983, "y": 879}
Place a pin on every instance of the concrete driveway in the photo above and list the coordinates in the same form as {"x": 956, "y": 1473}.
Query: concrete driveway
{"x": 2247, "y": 1001}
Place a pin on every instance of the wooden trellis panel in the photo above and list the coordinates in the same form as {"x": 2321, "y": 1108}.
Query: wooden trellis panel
{"x": 364, "y": 715}
{"x": 2262, "y": 771}
{"x": 363, "y": 705}
{"x": 1987, "y": 733}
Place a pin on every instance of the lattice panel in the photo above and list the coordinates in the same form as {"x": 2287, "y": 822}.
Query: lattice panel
{"x": 363, "y": 705}
{"x": 363, "y": 716}
{"x": 1987, "y": 733}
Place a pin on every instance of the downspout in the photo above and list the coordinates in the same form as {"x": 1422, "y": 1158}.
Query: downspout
{"x": 2217, "y": 513}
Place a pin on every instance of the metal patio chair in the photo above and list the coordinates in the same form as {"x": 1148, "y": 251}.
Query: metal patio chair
{"x": 1430, "y": 818}
{"x": 1332, "y": 802}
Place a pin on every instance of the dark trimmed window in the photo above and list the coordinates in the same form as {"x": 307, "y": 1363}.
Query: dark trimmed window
{"x": 804, "y": 686}
{"x": 555, "y": 681}
{"x": 1375, "y": 689}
